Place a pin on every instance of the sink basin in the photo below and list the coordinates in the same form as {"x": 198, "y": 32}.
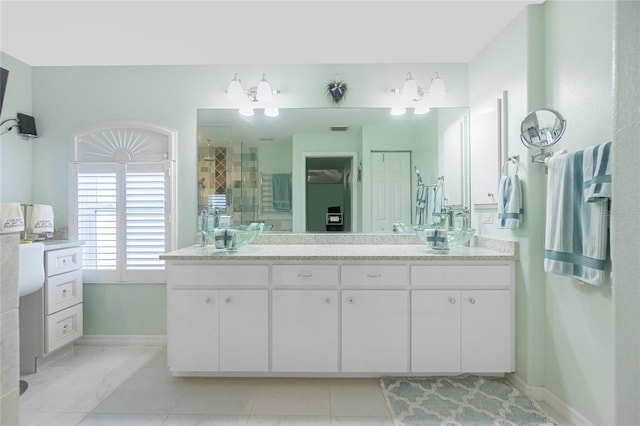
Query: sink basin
{"x": 30, "y": 268}
{"x": 445, "y": 238}
{"x": 241, "y": 235}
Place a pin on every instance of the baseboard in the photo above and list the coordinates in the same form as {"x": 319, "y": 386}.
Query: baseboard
{"x": 122, "y": 340}
{"x": 541, "y": 394}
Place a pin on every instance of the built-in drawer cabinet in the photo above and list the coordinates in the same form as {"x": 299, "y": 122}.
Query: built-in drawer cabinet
{"x": 62, "y": 297}
{"x": 63, "y": 291}
{"x": 62, "y": 328}
{"x": 305, "y": 275}
{"x": 374, "y": 276}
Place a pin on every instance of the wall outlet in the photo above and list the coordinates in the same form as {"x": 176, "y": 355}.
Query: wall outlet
{"x": 487, "y": 218}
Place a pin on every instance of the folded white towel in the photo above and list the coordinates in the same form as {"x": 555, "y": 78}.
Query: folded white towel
{"x": 42, "y": 218}
{"x": 576, "y": 234}
{"x": 436, "y": 238}
{"x": 597, "y": 172}
{"x": 11, "y": 219}
{"x": 510, "y": 211}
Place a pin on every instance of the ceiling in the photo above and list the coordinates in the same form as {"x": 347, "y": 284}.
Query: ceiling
{"x": 96, "y": 33}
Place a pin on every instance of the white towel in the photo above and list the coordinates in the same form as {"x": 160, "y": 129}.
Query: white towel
{"x": 11, "y": 219}
{"x": 41, "y": 219}
{"x": 436, "y": 238}
{"x": 597, "y": 172}
{"x": 510, "y": 211}
{"x": 576, "y": 234}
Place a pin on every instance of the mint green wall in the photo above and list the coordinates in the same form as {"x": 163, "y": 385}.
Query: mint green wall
{"x": 579, "y": 355}
{"x": 126, "y": 309}
{"x": 557, "y": 55}
{"x": 15, "y": 153}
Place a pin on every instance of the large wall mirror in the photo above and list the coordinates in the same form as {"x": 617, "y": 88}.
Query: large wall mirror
{"x": 290, "y": 171}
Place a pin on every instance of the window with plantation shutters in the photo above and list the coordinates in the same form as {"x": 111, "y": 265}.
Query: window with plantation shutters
{"x": 122, "y": 209}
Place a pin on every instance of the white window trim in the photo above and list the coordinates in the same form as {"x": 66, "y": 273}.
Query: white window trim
{"x": 118, "y": 142}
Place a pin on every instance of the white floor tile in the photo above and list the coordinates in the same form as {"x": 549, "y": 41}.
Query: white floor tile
{"x": 204, "y": 420}
{"x": 289, "y": 421}
{"x": 293, "y": 398}
{"x": 358, "y": 398}
{"x": 50, "y": 419}
{"x": 108, "y": 419}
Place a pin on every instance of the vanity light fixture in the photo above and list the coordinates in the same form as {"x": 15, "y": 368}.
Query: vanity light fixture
{"x": 411, "y": 93}
{"x": 262, "y": 94}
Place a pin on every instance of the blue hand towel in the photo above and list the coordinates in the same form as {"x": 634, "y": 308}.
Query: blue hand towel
{"x": 597, "y": 172}
{"x": 576, "y": 234}
{"x": 281, "y": 185}
{"x": 436, "y": 238}
{"x": 510, "y": 211}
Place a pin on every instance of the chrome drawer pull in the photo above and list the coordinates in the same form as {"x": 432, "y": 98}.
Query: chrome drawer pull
{"x": 374, "y": 275}
{"x": 309, "y": 275}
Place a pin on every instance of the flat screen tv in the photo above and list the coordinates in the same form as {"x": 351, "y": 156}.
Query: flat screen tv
{"x": 27, "y": 126}
{"x": 4, "y": 75}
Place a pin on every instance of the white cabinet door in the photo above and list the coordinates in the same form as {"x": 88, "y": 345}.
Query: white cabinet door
{"x": 375, "y": 329}
{"x": 193, "y": 330}
{"x": 244, "y": 330}
{"x": 305, "y": 330}
{"x": 486, "y": 331}
{"x": 435, "y": 331}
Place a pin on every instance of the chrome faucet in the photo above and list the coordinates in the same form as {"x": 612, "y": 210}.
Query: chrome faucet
{"x": 203, "y": 228}
{"x": 446, "y": 213}
{"x": 465, "y": 214}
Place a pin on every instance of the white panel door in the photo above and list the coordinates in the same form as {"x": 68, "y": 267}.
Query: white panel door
{"x": 305, "y": 330}
{"x": 390, "y": 189}
{"x": 244, "y": 330}
{"x": 435, "y": 331}
{"x": 193, "y": 330}
{"x": 375, "y": 330}
{"x": 486, "y": 331}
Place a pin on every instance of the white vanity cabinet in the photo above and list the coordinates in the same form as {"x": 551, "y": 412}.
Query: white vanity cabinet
{"x": 340, "y": 317}
{"x": 305, "y": 330}
{"x": 463, "y": 319}
{"x": 375, "y": 331}
{"x": 375, "y": 318}
{"x": 218, "y": 318}
{"x": 305, "y": 313}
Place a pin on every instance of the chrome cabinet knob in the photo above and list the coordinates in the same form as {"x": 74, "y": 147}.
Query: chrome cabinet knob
{"x": 227, "y": 300}
{"x": 351, "y": 300}
{"x": 208, "y": 300}
{"x": 472, "y": 300}
{"x": 327, "y": 300}
{"x": 452, "y": 300}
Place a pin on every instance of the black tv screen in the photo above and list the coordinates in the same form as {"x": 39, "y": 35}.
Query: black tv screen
{"x": 4, "y": 75}
{"x": 27, "y": 125}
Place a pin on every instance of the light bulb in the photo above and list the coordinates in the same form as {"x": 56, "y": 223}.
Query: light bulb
{"x": 437, "y": 90}
{"x": 234, "y": 91}
{"x": 264, "y": 92}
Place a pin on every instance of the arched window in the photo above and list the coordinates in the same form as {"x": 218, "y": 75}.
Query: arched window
{"x": 123, "y": 200}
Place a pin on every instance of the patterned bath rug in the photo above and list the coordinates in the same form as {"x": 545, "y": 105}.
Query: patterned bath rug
{"x": 460, "y": 400}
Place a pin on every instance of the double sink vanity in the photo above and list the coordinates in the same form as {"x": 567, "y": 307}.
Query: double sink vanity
{"x": 340, "y": 305}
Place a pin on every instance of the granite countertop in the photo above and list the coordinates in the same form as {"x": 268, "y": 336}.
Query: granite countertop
{"x": 365, "y": 252}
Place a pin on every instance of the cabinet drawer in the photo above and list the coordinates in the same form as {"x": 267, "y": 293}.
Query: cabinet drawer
{"x": 305, "y": 275}
{"x": 462, "y": 276}
{"x": 62, "y": 328}
{"x": 64, "y": 260}
{"x": 62, "y": 291}
{"x": 194, "y": 275}
{"x": 374, "y": 276}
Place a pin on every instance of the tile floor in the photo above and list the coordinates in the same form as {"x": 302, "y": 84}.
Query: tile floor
{"x": 131, "y": 385}
{"x": 127, "y": 385}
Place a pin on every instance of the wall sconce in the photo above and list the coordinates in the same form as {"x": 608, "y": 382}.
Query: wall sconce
{"x": 411, "y": 92}
{"x": 262, "y": 94}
